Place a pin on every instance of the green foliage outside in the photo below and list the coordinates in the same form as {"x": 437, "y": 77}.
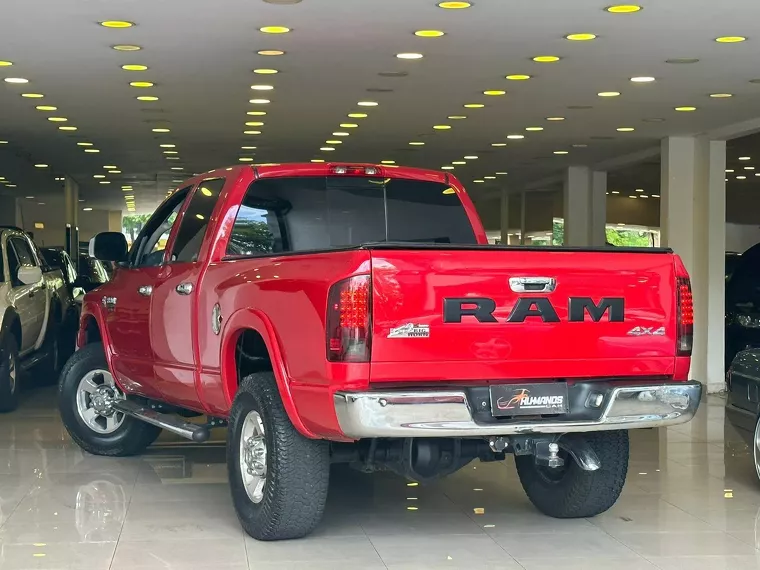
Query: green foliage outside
{"x": 131, "y": 225}
{"x": 620, "y": 238}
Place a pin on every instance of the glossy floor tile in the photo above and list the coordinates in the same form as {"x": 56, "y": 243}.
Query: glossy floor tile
{"x": 691, "y": 500}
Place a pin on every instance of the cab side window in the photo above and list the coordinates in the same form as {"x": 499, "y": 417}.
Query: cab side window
{"x": 19, "y": 253}
{"x": 148, "y": 249}
{"x": 195, "y": 221}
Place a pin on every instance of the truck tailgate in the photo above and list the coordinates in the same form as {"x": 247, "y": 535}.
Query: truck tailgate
{"x": 488, "y": 314}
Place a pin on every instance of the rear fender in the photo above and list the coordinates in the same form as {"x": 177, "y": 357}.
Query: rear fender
{"x": 250, "y": 319}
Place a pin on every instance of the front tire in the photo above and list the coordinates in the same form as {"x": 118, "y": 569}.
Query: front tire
{"x": 85, "y": 390}
{"x": 571, "y": 492}
{"x": 278, "y": 478}
{"x": 9, "y": 373}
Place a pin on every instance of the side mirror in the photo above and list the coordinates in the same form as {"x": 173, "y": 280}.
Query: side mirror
{"x": 109, "y": 246}
{"x": 29, "y": 275}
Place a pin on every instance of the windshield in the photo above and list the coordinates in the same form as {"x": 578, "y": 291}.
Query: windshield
{"x": 309, "y": 213}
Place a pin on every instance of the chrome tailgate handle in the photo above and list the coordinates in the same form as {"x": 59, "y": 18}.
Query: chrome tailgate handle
{"x": 532, "y": 284}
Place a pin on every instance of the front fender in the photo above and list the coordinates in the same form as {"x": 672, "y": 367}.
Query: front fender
{"x": 93, "y": 311}
{"x": 251, "y": 319}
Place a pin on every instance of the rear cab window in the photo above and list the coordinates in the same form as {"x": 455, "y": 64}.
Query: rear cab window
{"x": 280, "y": 215}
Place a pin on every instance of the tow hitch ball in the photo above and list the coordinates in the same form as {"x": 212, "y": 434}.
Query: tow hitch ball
{"x": 546, "y": 451}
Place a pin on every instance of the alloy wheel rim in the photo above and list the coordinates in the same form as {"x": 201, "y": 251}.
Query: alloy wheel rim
{"x": 96, "y": 394}
{"x": 253, "y": 456}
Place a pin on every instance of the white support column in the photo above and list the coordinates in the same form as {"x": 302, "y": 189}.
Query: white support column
{"x": 577, "y": 206}
{"x": 692, "y": 223}
{"x": 523, "y": 199}
{"x": 504, "y": 218}
{"x": 71, "y": 198}
{"x": 598, "y": 225}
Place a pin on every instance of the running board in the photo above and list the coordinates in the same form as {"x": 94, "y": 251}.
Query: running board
{"x": 195, "y": 432}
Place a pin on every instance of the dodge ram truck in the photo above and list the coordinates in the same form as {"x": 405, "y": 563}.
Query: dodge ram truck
{"x": 354, "y": 313}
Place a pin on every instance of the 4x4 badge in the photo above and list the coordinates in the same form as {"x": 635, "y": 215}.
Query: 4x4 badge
{"x": 646, "y": 331}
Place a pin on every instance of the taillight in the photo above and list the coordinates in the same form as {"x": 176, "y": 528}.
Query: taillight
{"x": 349, "y": 320}
{"x": 355, "y": 170}
{"x": 685, "y": 337}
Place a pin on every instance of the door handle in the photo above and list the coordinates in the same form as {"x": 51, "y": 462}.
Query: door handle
{"x": 184, "y": 288}
{"x": 145, "y": 290}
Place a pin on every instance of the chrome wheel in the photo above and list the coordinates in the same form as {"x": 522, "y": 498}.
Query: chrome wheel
{"x": 96, "y": 394}
{"x": 253, "y": 456}
{"x": 12, "y": 371}
{"x": 756, "y": 448}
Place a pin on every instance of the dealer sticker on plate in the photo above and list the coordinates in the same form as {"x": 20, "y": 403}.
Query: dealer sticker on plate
{"x": 529, "y": 399}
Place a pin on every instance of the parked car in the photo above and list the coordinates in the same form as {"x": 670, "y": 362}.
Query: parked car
{"x": 743, "y": 398}
{"x": 355, "y": 314}
{"x": 743, "y": 305}
{"x": 34, "y": 304}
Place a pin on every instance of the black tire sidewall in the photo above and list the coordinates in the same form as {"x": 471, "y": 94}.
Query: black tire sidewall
{"x": 8, "y": 398}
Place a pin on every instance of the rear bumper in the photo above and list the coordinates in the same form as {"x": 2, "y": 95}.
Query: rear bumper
{"x": 448, "y": 413}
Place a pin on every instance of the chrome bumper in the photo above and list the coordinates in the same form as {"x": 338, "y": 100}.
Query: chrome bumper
{"x": 447, "y": 413}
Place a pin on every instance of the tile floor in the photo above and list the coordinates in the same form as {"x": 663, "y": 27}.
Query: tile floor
{"x": 691, "y": 502}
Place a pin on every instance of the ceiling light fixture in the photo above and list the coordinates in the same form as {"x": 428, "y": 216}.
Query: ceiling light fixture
{"x": 515, "y": 137}
{"x": 518, "y": 77}
{"x": 58, "y": 119}
{"x": 499, "y": 144}
{"x": 409, "y": 55}
{"x": 46, "y": 108}
{"x": 262, "y": 87}
{"x": 623, "y": 9}
{"x": 417, "y": 143}
{"x": 555, "y": 118}
{"x": 580, "y": 37}
{"x": 259, "y": 101}
{"x": 67, "y": 128}
{"x": 18, "y": 80}
{"x": 119, "y": 24}
{"x": 367, "y": 104}
{"x": 456, "y": 117}
{"x": 609, "y": 94}
{"x": 4, "y": 63}
{"x": 545, "y": 58}
{"x": 341, "y": 134}
{"x": 357, "y": 115}
{"x": 334, "y": 142}
{"x": 161, "y": 130}
{"x": 536, "y": 129}
{"x": 730, "y": 39}
{"x": 256, "y": 113}
{"x": 429, "y": 33}
{"x": 643, "y": 79}
{"x": 270, "y": 52}
{"x": 625, "y": 129}
{"x": 721, "y": 95}
{"x": 560, "y": 152}
{"x": 147, "y": 98}
{"x": 84, "y": 144}
{"x": 251, "y": 132}
{"x": 274, "y": 30}
{"x": 447, "y": 168}
{"x": 134, "y": 67}
{"x": 141, "y": 84}
{"x": 348, "y": 126}
{"x": 454, "y": 5}
{"x": 266, "y": 71}
{"x": 32, "y": 95}
{"x": 685, "y": 109}
{"x": 473, "y": 105}
{"x": 91, "y": 150}
{"x": 254, "y": 124}
{"x": 126, "y": 47}
{"x": 441, "y": 127}
{"x": 458, "y": 162}
{"x": 327, "y": 149}
{"x": 745, "y": 158}
{"x": 494, "y": 92}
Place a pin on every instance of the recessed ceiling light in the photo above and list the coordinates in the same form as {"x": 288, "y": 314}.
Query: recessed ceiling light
{"x": 147, "y": 98}
{"x": 161, "y": 130}
{"x": 357, "y": 115}
{"x": 245, "y": 159}
{"x": 105, "y": 182}
{"x": 560, "y": 152}
{"x": 348, "y": 126}
{"x": 639, "y": 189}
{"x": 498, "y": 144}
{"x": 99, "y": 176}
{"x": 721, "y": 95}
{"x": 625, "y": 129}
{"x": 116, "y": 24}
{"x": 478, "y": 181}
{"x": 317, "y": 160}
{"x": 474, "y": 105}
{"x": 749, "y": 168}
{"x": 177, "y": 168}
{"x": 3, "y": 142}
{"x": 387, "y": 162}
{"x": 327, "y": 149}
{"x": 171, "y": 152}
{"x": 251, "y": 132}
{"x": 84, "y": 144}
{"x": 58, "y": 119}
{"x": 409, "y": 55}
{"x": 256, "y": 113}
{"x": 141, "y": 84}
{"x": 454, "y": 5}
{"x": 515, "y": 137}
{"x": 456, "y": 117}
{"x": 623, "y": 8}
{"x": 266, "y": 71}
{"x": 341, "y": 134}
{"x": 16, "y": 80}
{"x": 248, "y": 147}
{"x": 417, "y": 143}
{"x": 494, "y": 92}
{"x": 501, "y": 173}
{"x": 441, "y": 127}
{"x": 682, "y": 60}
{"x": 270, "y": 52}
{"x": 259, "y": 101}
{"x": 254, "y": 124}
{"x": 580, "y": 37}
{"x": 40, "y": 165}
{"x": 367, "y": 104}
{"x": 745, "y": 158}
{"x": 730, "y": 39}
{"x": 134, "y": 67}
{"x": 555, "y": 118}
{"x": 110, "y": 167}
{"x": 32, "y": 95}
{"x": 429, "y": 33}
{"x": 447, "y": 168}
{"x": 518, "y": 77}
{"x": 741, "y": 177}
{"x": 545, "y": 58}
{"x": 67, "y": 128}
{"x": 334, "y": 142}
{"x": 729, "y": 170}
{"x": 262, "y": 87}
{"x": 274, "y": 30}
{"x": 609, "y": 94}
{"x": 534, "y": 129}
{"x": 685, "y": 109}
{"x": 489, "y": 177}
{"x": 642, "y": 79}
{"x": 46, "y": 108}
{"x": 470, "y": 157}
{"x": 126, "y": 47}
{"x": 4, "y": 63}
{"x": 458, "y": 162}
{"x": 91, "y": 150}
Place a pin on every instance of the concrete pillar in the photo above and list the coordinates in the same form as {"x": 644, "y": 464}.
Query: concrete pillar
{"x": 577, "y": 206}
{"x": 523, "y": 200}
{"x": 114, "y": 220}
{"x": 692, "y": 223}
{"x": 71, "y": 199}
{"x": 504, "y": 218}
{"x": 598, "y": 227}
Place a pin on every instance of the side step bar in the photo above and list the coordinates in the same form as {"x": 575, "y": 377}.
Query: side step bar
{"x": 195, "y": 432}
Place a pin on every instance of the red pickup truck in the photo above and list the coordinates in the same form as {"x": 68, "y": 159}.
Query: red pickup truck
{"x": 344, "y": 313}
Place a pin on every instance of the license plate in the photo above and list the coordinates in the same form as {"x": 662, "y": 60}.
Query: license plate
{"x": 529, "y": 399}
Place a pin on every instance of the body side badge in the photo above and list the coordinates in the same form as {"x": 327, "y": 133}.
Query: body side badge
{"x": 216, "y": 319}
{"x": 410, "y": 330}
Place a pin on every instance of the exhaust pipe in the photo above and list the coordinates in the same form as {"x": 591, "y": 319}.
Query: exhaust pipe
{"x": 174, "y": 424}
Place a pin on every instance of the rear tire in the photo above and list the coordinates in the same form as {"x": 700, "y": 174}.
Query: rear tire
{"x": 85, "y": 382}
{"x": 278, "y": 478}
{"x": 9, "y": 373}
{"x": 571, "y": 492}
